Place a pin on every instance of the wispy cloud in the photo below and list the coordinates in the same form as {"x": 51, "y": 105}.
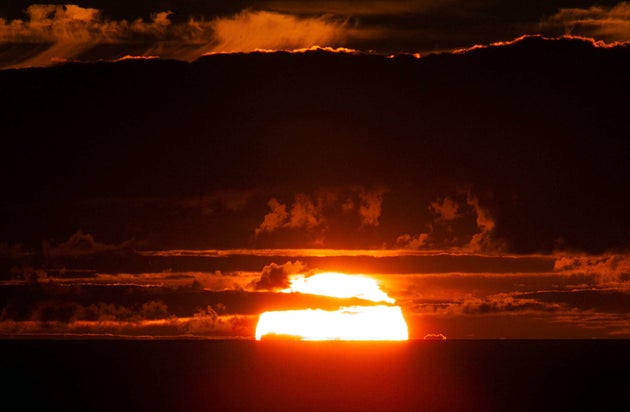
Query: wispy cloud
{"x": 607, "y": 269}
{"x": 482, "y": 240}
{"x": 370, "y": 208}
{"x": 66, "y": 32}
{"x": 611, "y": 24}
{"x": 264, "y": 30}
{"x": 70, "y": 30}
{"x": 454, "y": 217}
{"x": 324, "y": 210}
{"x": 447, "y": 209}
{"x": 501, "y": 303}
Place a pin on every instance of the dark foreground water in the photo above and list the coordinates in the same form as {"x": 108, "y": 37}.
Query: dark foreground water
{"x": 185, "y": 375}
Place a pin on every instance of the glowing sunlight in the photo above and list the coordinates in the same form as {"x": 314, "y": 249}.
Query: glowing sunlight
{"x": 373, "y": 322}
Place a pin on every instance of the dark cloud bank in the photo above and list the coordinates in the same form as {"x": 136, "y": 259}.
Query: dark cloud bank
{"x": 532, "y": 135}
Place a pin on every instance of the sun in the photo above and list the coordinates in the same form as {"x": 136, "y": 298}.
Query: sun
{"x": 380, "y": 320}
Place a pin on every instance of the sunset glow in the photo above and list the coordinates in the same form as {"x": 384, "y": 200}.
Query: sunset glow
{"x": 375, "y": 322}
{"x": 315, "y": 205}
{"x": 339, "y": 285}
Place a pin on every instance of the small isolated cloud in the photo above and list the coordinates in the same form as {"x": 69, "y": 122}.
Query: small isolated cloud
{"x": 303, "y": 214}
{"x": 446, "y": 210}
{"x": 275, "y": 219}
{"x": 462, "y": 225}
{"x": 408, "y": 241}
{"x": 604, "y": 23}
{"x": 276, "y": 276}
{"x": 80, "y": 244}
{"x": 154, "y": 309}
{"x": 327, "y": 208}
{"x": 482, "y": 241}
{"x": 371, "y": 205}
{"x": 434, "y": 336}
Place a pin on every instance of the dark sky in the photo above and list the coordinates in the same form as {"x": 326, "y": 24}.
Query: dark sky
{"x": 153, "y": 162}
{"x": 344, "y": 150}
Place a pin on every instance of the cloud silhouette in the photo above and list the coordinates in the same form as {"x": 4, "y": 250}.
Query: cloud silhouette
{"x": 276, "y": 276}
{"x": 327, "y": 210}
{"x": 453, "y": 227}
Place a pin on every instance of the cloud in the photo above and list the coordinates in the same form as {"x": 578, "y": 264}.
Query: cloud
{"x": 447, "y": 210}
{"x": 208, "y": 322}
{"x": 501, "y": 303}
{"x": 79, "y": 244}
{"x": 611, "y": 24}
{"x": 263, "y": 30}
{"x": 371, "y": 206}
{"x": 504, "y": 303}
{"x": 274, "y": 220}
{"x": 482, "y": 241}
{"x": 304, "y": 214}
{"x": 408, "y": 241}
{"x": 232, "y": 326}
{"x": 276, "y": 276}
{"x": 607, "y": 269}
{"x": 327, "y": 207}
{"x": 469, "y": 229}
{"x": 71, "y": 309}
{"x": 69, "y": 31}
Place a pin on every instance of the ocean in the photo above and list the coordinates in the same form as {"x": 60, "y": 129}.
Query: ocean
{"x": 246, "y": 375}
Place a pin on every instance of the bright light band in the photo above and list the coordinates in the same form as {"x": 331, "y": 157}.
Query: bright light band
{"x": 379, "y": 322}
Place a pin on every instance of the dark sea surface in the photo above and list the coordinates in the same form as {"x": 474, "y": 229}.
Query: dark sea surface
{"x": 232, "y": 375}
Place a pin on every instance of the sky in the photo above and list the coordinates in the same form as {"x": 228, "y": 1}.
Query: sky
{"x": 35, "y": 34}
{"x": 169, "y": 165}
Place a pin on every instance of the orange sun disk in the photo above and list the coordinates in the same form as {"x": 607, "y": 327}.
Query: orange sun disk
{"x": 373, "y": 322}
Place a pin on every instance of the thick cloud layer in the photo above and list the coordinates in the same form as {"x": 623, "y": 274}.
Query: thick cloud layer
{"x": 518, "y": 147}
